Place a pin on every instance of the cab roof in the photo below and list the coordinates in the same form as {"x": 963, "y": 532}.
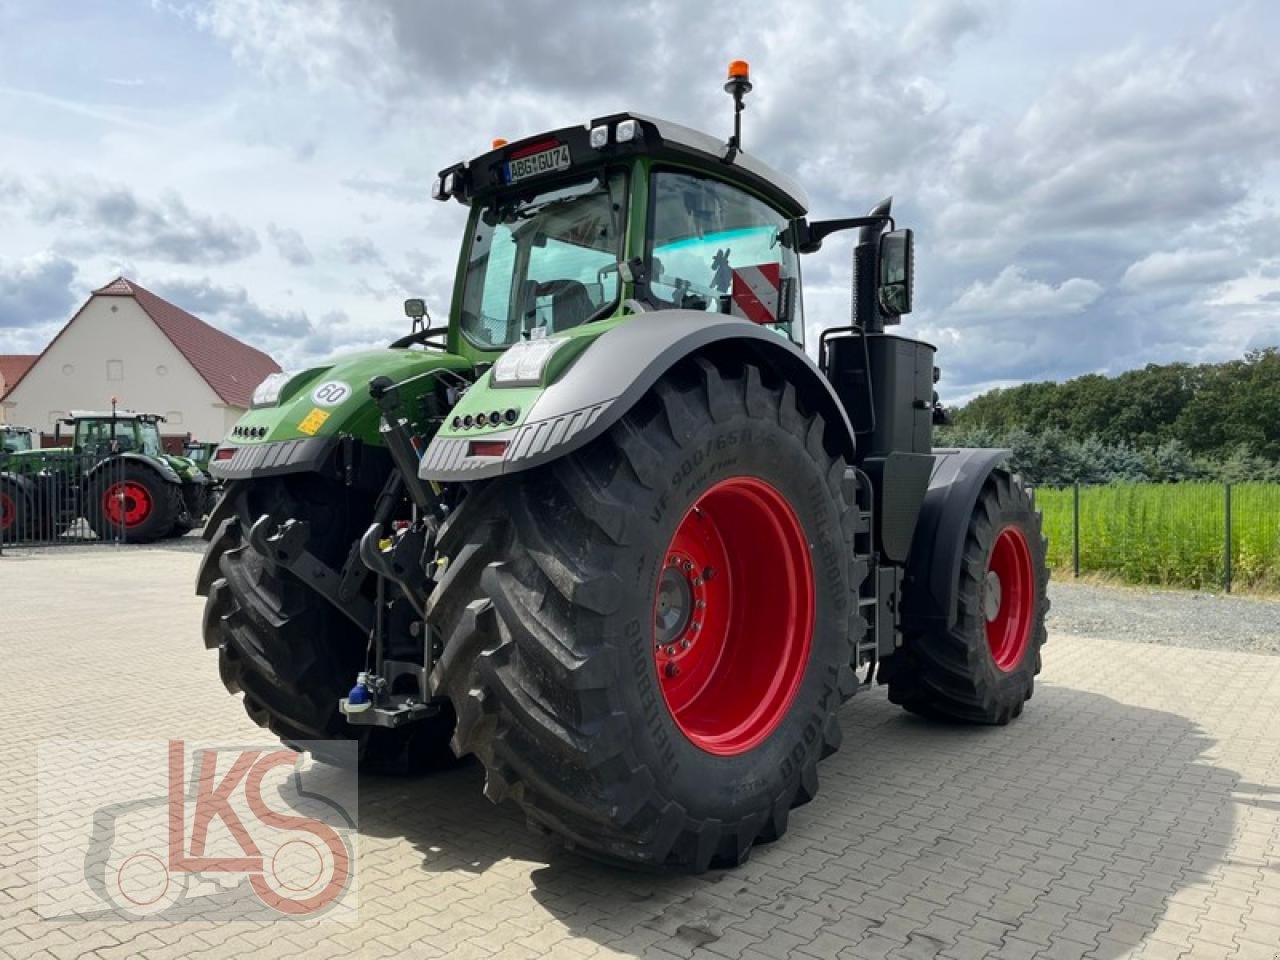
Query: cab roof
{"x": 107, "y": 415}
{"x": 487, "y": 174}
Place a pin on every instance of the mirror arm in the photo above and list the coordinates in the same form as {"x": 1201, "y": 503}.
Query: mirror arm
{"x": 811, "y": 235}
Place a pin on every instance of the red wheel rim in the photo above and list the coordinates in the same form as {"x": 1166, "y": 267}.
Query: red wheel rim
{"x": 8, "y": 511}
{"x": 733, "y": 616}
{"x": 1009, "y": 598}
{"x": 126, "y": 504}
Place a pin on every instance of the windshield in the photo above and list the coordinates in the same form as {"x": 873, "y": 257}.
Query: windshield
{"x": 543, "y": 262}
{"x": 15, "y": 442}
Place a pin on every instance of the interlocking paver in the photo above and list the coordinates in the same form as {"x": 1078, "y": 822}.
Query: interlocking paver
{"x": 1131, "y": 814}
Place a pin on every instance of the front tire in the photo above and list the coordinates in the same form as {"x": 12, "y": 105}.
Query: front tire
{"x": 652, "y": 670}
{"x": 284, "y": 647}
{"x": 983, "y": 669}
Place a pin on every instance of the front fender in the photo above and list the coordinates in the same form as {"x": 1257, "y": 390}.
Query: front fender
{"x": 607, "y": 379}
{"x": 933, "y": 565}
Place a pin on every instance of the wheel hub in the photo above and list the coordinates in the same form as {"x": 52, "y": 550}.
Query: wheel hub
{"x": 126, "y": 504}
{"x": 991, "y": 596}
{"x": 677, "y": 598}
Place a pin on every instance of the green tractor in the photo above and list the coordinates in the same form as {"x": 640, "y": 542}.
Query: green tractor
{"x": 613, "y": 531}
{"x": 115, "y": 475}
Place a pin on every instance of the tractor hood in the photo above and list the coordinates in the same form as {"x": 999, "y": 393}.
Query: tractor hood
{"x": 298, "y": 416}
{"x": 186, "y": 468}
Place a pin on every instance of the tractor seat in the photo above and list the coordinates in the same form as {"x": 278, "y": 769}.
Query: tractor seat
{"x": 571, "y": 304}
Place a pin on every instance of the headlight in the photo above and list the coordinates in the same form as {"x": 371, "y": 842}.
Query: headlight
{"x": 268, "y": 391}
{"x": 524, "y": 363}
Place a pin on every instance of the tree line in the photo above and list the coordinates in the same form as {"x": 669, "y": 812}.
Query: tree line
{"x": 1162, "y": 423}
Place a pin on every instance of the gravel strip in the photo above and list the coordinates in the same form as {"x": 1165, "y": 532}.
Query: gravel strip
{"x": 1176, "y": 618}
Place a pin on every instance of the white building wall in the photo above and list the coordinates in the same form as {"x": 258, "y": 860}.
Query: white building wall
{"x": 113, "y": 349}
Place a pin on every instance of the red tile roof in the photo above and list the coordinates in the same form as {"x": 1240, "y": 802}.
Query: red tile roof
{"x": 232, "y": 368}
{"x": 12, "y": 368}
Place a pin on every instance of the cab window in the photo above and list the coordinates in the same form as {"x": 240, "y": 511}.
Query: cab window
{"x": 714, "y": 247}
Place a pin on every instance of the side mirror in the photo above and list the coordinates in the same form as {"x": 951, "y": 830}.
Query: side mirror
{"x": 415, "y": 308}
{"x": 897, "y": 263}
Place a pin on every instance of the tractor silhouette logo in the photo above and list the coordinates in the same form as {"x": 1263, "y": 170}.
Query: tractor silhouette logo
{"x": 244, "y": 830}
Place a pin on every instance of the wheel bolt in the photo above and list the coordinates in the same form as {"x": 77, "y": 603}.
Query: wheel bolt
{"x": 695, "y": 626}
{"x": 688, "y": 565}
{"x": 684, "y": 644}
{"x": 700, "y": 604}
{"x": 697, "y": 581}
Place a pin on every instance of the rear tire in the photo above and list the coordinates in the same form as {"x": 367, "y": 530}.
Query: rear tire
{"x": 134, "y": 504}
{"x": 284, "y": 647}
{"x": 983, "y": 669}
{"x": 555, "y": 656}
{"x": 14, "y": 512}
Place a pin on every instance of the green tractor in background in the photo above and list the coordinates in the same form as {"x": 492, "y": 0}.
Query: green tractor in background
{"x": 115, "y": 475}
{"x": 613, "y": 531}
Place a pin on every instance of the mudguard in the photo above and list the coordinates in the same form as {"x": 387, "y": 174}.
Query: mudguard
{"x": 18, "y": 482}
{"x": 933, "y": 565}
{"x": 605, "y": 381}
{"x": 159, "y": 466}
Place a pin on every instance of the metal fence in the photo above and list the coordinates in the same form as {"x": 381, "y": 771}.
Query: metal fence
{"x": 65, "y": 497}
{"x": 1200, "y": 536}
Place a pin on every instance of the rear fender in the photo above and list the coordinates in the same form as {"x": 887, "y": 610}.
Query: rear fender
{"x": 937, "y": 547}
{"x": 111, "y": 465}
{"x": 18, "y": 484}
{"x": 607, "y": 379}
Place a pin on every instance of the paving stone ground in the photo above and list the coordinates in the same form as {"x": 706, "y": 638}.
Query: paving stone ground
{"x": 1134, "y": 811}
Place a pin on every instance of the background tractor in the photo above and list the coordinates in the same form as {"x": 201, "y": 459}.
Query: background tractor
{"x": 115, "y": 475}
{"x": 613, "y": 531}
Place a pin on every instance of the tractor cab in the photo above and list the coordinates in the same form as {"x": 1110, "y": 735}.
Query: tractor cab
{"x": 575, "y": 229}
{"x": 14, "y": 439}
{"x": 124, "y": 431}
{"x": 625, "y": 214}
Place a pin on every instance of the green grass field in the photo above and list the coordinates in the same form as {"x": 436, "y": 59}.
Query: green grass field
{"x": 1169, "y": 534}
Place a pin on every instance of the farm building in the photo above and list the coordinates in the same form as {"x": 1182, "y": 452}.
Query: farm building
{"x": 12, "y": 367}
{"x": 150, "y": 355}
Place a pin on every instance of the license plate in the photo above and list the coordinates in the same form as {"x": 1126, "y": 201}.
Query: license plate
{"x": 521, "y": 168}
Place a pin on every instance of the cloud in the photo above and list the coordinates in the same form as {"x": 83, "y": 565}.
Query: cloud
{"x": 359, "y": 251}
{"x": 112, "y": 219}
{"x": 1164, "y": 270}
{"x": 290, "y": 245}
{"x": 406, "y": 189}
{"x": 35, "y": 291}
{"x": 1013, "y": 294}
{"x": 238, "y": 311}
{"x": 1063, "y": 184}
{"x": 937, "y": 26}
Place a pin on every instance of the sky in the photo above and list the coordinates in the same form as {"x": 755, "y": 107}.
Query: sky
{"x": 1093, "y": 186}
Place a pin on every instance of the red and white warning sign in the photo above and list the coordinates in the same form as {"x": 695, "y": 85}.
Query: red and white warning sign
{"x": 756, "y": 292}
